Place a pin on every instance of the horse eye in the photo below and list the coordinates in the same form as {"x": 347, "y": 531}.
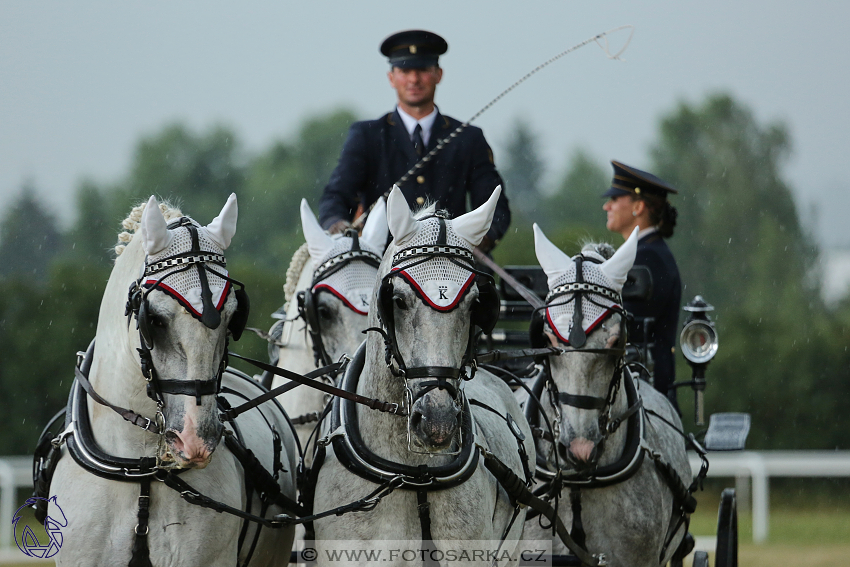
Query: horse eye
{"x": 399, "y": 302}
{"x": 156, "y": 321}
{"x": 325, "y": 313}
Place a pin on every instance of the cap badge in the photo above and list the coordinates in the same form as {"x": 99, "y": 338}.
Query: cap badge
{"x": 637, "y": 190}
{"x": 413, "y": 49}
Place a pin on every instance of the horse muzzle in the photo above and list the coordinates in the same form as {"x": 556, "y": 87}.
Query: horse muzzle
{"x": 580, "y": 453}
{"x": 190, "y": 446}
{"x": 434, "y": 419}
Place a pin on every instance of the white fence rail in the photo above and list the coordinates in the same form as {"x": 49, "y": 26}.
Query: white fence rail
{"x": 759, "y": 466}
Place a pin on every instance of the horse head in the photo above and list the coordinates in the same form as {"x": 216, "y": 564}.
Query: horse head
{"x": 184, "y": 310}
{"x": 336, "y": 303}
{"x": 584, "y": 317}
{"x": 428, "y": 301}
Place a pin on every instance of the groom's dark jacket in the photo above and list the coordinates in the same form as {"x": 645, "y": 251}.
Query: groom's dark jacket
{"x": 378, "y": 152}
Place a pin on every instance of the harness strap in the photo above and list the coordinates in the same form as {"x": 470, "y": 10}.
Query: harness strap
{"x": 254, "y": 402}
{"x": 141, "y": 552}
{"x": 577, "y": 531}
{"x": 129, "y": 415}
{"x": 582, "y": 402}
{"x": 498, "y": 355}
{"x": 514, "y": 486}
{"x": 423, "y": 508}
{"x": 526, "y": 293}
{"x": 371, "y": 403}
{"x": 264, "y": 482}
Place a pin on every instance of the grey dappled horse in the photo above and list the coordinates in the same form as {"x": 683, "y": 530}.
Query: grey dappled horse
{"x": 186, "y": 353}
{"x": 610, "y": 446}
{"x": 427, "y": 317}
{"x": 331, "y": 299}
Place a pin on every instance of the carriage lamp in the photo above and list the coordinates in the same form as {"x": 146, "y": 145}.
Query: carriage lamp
{"x": 699, "y": 345}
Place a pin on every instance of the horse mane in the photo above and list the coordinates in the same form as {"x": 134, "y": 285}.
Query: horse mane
{"x": 293, "y": 272}
{"x": 601, "y": 248}
{"x": 134, "y": 220}
{"x": 427, "y": 208}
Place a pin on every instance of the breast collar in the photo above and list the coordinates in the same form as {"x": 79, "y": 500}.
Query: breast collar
{"x": 352, "y": 452}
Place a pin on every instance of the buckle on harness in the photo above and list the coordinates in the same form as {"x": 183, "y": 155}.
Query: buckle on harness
{"x": 59, "y": 440}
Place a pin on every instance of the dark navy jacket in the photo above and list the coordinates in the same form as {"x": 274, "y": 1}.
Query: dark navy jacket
{"x": 664, "y": 305}
{"x": 378, "y": 152}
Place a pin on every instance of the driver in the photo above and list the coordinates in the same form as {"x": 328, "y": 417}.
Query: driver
{"x": 638, "y": 198}
{"x": 378, "y": 152}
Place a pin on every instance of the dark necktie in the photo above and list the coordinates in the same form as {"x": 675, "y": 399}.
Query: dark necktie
{"x": 418, "y": 144}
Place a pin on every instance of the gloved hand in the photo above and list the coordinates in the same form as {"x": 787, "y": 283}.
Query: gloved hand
{"x": 486, "y": 245}
{"x": 339, "y": 226}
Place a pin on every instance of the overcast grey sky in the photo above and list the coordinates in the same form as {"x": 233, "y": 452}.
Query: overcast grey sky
{"x": 80, "y": 81}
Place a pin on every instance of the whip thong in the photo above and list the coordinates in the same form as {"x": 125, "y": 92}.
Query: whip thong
{"x": 600, "y": 39}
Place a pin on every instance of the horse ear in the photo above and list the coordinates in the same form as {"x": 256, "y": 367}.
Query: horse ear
{"x": 155, "y": 234}
{"x": 617, "y": 267}
{"x": 318, "y": 241}
{"x": 473, "y": 226}
{"x": 552, "y": 259}
{"x": 223, "y": 227}
{"x": 401, "y": 223}
{"x": 375, "y": 230}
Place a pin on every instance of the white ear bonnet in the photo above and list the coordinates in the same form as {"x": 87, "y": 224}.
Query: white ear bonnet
{"x": 440, "y": 282}
{"x": 184, "y": 284}
{"x": 353, "y": 283}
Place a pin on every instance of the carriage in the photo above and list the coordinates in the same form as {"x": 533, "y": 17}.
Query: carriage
{"x": 472, "y": 421}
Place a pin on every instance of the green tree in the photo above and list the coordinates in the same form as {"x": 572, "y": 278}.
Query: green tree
{"x": 93, "y": 235}
{"x": 739, "y": 243}
{"x": 182, "y": 166}
{"x": 29, "y": 238}
{"x": 523, "y": 169}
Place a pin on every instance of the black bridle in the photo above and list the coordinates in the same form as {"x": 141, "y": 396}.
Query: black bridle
{"x": 137, "y": 305}
{"x": 307, "y": 301}
{"x": 580, "y": 291}
{"x": 484, "y": 316}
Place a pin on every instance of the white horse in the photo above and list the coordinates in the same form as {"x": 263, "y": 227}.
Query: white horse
{"x": 330, "y": 302}
{"x": 618, "y": 461}
{"x": 184, "y": 308}
{"x": 428, "y": 461}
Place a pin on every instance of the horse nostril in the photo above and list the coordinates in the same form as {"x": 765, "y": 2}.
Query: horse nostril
{"x": 173, "y": 439}
{"x": 415, "y": 418}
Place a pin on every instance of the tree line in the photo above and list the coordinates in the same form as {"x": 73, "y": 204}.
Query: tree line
{"x": 739, "y": 243}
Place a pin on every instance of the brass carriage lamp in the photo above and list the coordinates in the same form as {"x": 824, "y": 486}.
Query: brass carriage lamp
{"x": 699, "y": 345}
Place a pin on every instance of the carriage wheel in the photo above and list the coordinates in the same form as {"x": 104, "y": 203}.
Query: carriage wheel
{"x": 700, "y": 559}
{"x": 726, "y": 554}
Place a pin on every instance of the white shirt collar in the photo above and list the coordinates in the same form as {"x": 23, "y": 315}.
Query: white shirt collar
{"x": 647, "y": 231}
{"x": 410, "y": 122}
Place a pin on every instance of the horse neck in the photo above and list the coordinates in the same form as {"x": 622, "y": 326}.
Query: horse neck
{"x": 297, "y": 355}
{"x": 115, "y": 372}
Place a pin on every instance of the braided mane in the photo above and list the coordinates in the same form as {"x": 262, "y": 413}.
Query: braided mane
{"x": 134, "y": 220}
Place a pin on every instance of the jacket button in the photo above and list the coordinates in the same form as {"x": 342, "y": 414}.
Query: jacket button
{"x": 420, "y": 180}
{"x": 420, "y": 200}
